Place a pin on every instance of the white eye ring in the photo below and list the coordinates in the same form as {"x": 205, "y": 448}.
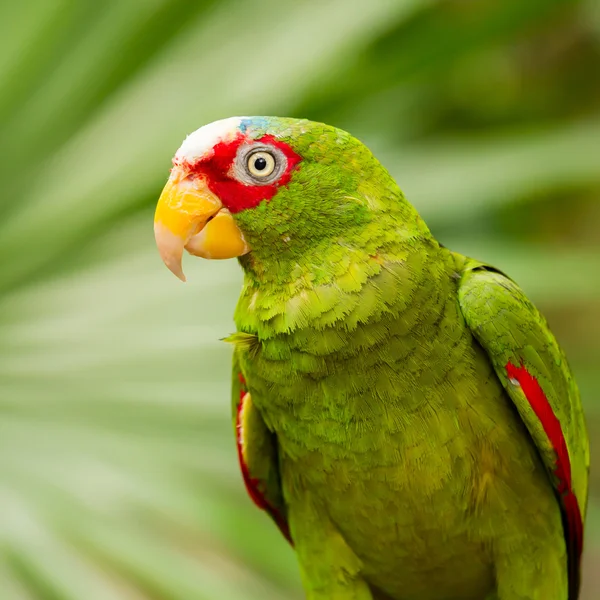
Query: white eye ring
{"x": 272, "y": 163}
{"x": 260, "y": 164}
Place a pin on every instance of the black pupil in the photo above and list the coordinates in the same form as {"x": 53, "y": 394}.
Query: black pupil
{"x": 260, "y": 163}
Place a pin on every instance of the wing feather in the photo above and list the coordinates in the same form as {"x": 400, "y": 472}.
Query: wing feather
{"x": 535, "y": 373}
{"x": 257, "y": 453}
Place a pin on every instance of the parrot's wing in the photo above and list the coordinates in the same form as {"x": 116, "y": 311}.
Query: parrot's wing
{"x": 534, "y": 371}
{"x": 257, "y": 453}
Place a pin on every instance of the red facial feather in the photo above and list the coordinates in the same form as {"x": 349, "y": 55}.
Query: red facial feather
{"x": 234, "y": 194}
{"x": 573, "y": 522}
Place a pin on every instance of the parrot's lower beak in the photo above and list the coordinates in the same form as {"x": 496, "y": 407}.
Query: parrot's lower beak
{"x": 190, "y": 216}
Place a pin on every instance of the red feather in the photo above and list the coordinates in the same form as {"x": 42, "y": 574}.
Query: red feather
{"x": 572, "y": 521}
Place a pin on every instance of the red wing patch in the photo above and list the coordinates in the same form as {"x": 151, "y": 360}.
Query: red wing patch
{"x": 572, "y": 521}
{"x": 253, "y": 484}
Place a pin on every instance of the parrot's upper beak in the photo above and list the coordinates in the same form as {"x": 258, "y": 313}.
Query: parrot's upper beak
{"x": 190, "y": 216}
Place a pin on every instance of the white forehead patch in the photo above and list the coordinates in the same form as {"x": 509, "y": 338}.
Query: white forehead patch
{"x": 201, "y": 141}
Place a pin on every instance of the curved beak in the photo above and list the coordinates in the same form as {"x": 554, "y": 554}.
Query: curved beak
{"x": 190, "y": 216}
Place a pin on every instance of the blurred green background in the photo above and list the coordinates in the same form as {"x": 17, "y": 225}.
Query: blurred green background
{"x": 118, "y": 471}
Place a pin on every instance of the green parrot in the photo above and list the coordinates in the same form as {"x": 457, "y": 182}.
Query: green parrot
{"x": 402, "y": 412}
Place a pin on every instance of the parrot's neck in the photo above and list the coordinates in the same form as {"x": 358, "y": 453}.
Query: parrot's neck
{"x": 346, "y": 290}
{"x": 355, "y": 278}
{"x": 347, "y": 283}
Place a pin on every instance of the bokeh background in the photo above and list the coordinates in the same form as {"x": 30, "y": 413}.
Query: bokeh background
{"x": 118, "y": 472}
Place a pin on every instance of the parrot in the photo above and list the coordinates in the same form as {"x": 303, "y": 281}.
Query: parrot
{"x": 402, "y": 412}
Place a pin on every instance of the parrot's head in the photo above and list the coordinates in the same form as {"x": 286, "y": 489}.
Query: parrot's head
{"x": 269, "y": 187}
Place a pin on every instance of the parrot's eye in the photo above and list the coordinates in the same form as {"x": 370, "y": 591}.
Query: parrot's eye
{"x": 260, "y": 164}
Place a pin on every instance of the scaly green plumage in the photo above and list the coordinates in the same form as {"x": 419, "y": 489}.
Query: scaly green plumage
{"x": 375, "y": 360}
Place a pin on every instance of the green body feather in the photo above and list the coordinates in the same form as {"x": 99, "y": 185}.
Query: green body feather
{"x": 376, "y": 360}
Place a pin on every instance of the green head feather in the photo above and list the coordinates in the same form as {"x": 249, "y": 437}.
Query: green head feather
{"x": 339, "y": 207}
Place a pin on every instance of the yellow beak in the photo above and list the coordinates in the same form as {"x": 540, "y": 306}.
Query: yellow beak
{"x": 190, "y": 216}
